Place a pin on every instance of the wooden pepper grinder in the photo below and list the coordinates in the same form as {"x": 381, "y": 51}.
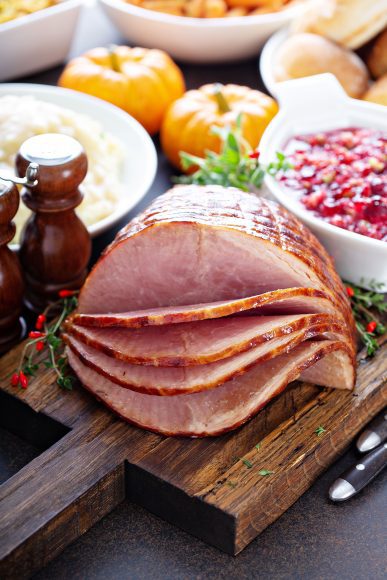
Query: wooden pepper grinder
{"x": 55, "y": 245}
{"x": 12, "y": 327}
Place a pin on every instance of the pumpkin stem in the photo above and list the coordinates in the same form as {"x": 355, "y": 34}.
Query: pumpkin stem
{"x": 223, "y": 105}
{"x": 113, "y": 58}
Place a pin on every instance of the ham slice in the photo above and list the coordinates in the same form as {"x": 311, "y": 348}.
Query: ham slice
{"x": 220, "y": 409}
{"x": 189, "y": 379}
{"x": 198, "y": 245}
{"x": 290, "y": 300}
{"x": 195, "y": 343}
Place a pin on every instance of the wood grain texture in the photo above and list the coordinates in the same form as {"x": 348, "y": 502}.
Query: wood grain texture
{"x": 201, "y": 485}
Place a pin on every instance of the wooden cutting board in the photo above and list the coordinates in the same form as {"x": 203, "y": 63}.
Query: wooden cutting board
{"x": 210, "y": 487}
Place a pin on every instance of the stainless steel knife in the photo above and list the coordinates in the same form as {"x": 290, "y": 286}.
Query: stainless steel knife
{"x": 374, "y": 434}
{"x": 358, "y": 476}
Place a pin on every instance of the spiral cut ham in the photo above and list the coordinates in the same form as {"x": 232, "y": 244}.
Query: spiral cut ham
{"x": 204, "y": 308}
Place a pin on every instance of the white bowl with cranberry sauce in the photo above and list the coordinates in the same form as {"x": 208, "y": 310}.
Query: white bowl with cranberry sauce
{"x": 317, "y": 106}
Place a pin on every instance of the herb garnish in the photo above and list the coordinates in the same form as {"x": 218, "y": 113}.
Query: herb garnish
{"x": 47, "y": 336}
{"x": 366, "y": 306}
{"x": 257, "y": 446}
{"x": 247, "y": 463}
{"x": 320, "y": 430}
{"x": 235, "y": 166}
{"x": 265, "y": 472}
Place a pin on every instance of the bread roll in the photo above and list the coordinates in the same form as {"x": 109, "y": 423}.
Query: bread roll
{"x": 350, "y": 23}
{"x": 306, "y": 54}
{"x": 377, "y": 93}
{"x": 377, "y": 58}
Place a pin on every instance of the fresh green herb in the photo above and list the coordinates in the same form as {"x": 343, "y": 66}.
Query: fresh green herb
{"x": 280, "y": 164}
{"x": 232, "y": 484}
{"x": 257, "y": 446}
{"x": 367, "y": 307}
{"x": 47, "y": 336}
{"x": 265, "y": 472}
{"x": 235, "y": 166}
{"x": 319, "y": 431}
{"x": 247, "y": 463}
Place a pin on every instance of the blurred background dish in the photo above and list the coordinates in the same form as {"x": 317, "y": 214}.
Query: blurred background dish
{"x": 41, "y": 39}
{"x": 122, "y": 157}
{"x": 198, "y": 40}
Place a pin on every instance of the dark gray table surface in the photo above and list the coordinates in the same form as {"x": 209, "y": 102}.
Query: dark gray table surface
{"x": 314, "y": 539}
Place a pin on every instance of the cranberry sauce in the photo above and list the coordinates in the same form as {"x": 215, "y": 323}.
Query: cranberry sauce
{"x": 341, "y": 177}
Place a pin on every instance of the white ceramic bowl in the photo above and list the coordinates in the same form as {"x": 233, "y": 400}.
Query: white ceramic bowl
{"x": 198, "y": 40}
{"x": 268, "y": 58}
{"x": 37, "y": 41}
{"x": 140, "y": 159}
{"x": 319, "y": 103}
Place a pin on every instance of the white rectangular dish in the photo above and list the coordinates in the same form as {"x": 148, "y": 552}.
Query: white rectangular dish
{"x": 39, "y": 40}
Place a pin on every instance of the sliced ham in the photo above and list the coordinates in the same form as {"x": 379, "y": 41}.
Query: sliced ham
{"x": 189, "y": 379}
{"x": 290, "y": 300}
{"x": 195, "y": 343}
{"x": 217, "y": 410}
{"x": 198, "y": 245}
{"x": 204, "y": 307}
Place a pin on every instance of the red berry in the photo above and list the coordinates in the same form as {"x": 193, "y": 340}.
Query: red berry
{"x": 254, "y": 155}
{"x": 39, "y": 345}
{"x": 371, "y": 326}
{"x": 23, "y": 380}
{"x": 66, "y": 293}
{"x": 35, "y": 334}
{"x": 15, "y": 380}
{"x": 40, "y": 321}
{"x": 350, "y": 291}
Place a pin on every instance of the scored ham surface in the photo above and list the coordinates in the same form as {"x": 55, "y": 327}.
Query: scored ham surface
{"x": 169, "y": 380}
{"x": 220, "y": 409}
{"x": 204, "y": 308}
{"x": 195, "y": 343}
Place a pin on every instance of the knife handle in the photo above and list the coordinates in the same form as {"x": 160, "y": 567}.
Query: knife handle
{"x": 374, "y": 434}
{"x": 358, "y": 476}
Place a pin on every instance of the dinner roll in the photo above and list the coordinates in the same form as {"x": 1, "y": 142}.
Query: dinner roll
{"x": 377, "y": 58}
{"x": 302, "y": 55}
{"x": 350, "y": 23}
{"x": 377, "y": 93}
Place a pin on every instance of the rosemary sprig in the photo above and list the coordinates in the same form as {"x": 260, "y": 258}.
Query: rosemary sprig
{"x": 369, "y": 308}
{"x": 237, "y": 165}
{"x": 47, "y": 336}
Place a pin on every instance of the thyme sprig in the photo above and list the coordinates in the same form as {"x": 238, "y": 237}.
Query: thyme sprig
{"x": 369, "y": 308}
{"x": 47, "y": 337}
{"x": 237, "y": 165}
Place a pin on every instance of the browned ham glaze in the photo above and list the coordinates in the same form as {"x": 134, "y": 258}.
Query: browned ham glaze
{"x": 204, "y": 308}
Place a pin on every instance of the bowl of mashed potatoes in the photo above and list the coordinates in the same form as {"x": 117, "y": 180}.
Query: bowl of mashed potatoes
{"x": 122, "y": 157}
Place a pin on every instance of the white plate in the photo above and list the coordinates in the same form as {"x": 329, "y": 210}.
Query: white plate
{"x": 140, "y": 158}
{"x": 39, "y": 40}
{"x": 318, "y": 103}
{"x": 268, "y": 57}
{"x": 200, "y": 40}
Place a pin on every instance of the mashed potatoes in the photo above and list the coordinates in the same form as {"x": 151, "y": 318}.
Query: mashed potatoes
{"x": 23, "y": 117}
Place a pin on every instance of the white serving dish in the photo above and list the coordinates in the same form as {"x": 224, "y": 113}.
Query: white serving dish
{"x": 268, "y": 58}
{"x": 140, "y": 160}
{"x": 319, "y": 103}
{"x": 197, "y": 40}
{"x": 37, "y": 41}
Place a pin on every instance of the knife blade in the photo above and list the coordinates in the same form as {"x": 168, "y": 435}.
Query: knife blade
{"x": 374, "y": 434}
{"x": 358, "y": 476}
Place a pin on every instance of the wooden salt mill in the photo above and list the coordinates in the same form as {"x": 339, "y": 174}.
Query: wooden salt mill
{"x": 55, "y": 245}
{"x": 11, "y": 280}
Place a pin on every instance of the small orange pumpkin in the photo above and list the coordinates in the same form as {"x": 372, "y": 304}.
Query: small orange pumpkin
{"x": 143, "y": 82}
{"x": 187, "y": 124}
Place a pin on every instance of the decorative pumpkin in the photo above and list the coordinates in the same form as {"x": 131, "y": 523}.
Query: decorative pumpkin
{"x": 187, "y": 124}
{"x": 141, "y": 81}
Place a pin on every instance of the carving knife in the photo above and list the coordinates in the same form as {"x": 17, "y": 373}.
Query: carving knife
{"x": 374, "y": 434}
